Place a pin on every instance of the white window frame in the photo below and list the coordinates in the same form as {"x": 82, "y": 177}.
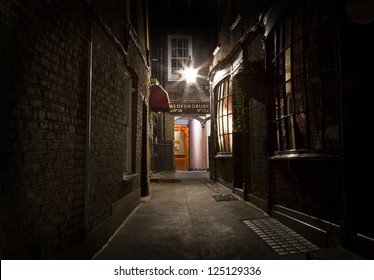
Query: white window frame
{"x": 189, "y": 56}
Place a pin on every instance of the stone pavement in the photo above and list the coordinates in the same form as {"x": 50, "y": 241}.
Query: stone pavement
{"x": 189, "y": 217}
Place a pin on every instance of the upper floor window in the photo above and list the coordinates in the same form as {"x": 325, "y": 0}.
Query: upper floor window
{"x": 179, "y": 53}
{"x": 223, "y": 97}
{"x": 301, "y": 52}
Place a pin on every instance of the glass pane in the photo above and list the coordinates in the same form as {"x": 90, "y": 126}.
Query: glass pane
{"x": 224, "y": 109}
{"x": 227, "y": 143}
{"x": 229, "y": 104}
{"x": 283, "y": 135}
{"x": 276, "y": 108}
{"x": 225, "y": 124}
{"x": 298, "y": 23}
{"x": 301, "y": 131}
{"x": 278, "y": 133}
{"x": 291, "y": 133}
{"x": 290, "y": 107}
{"x": 220, "y": 143}
{"x": 300, "y": 104}
{"x": 219, "y": 131}
{"x": 230, "y": 143}
{"x": 298, "y": 58}
{"x": 281, "y": 101}
{"x": 331, "y": 127}
{"x": 230, "y": 123}
{"x": 287, "y": 32}
{"x": 312, "y": 14}
{"x": 313, "y": 129}
{"x": 287, "y": 56}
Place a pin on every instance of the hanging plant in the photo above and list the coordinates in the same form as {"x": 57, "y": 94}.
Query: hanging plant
{"x": 239, "y": 124}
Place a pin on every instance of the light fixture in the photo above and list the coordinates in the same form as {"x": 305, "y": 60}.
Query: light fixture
{"x": 189, "y": 72}
{"x": 153, "y": 80}
{"x": 190, "y": 75}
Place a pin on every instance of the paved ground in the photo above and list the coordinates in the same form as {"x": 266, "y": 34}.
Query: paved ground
{"x": 182, "y": 220}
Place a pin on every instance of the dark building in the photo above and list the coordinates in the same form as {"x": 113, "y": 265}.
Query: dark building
{"x": 278, "y": 112}
{"x": 288, "y": 82}
{"x": 74, "y": 87}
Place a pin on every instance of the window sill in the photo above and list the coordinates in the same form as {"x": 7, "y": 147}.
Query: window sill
{"x": 129, "y": 177}
{"x": 306, "y": 156}
{"x": 223, "y": 156}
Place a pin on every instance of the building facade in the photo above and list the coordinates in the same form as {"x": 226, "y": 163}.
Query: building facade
{"x": 181, "y": 46}
{"x": 74, "y": 88}
{"x": 286, "y": 81}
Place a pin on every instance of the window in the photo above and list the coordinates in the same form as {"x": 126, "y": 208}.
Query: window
{"x": 128, "y": 128}
{"x": 223, "y": 94}
{"x": 179, "y": 54}
{"x": 303, "y": 73}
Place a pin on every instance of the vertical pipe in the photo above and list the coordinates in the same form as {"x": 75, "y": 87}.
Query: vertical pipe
{"x": 88, "y": 137}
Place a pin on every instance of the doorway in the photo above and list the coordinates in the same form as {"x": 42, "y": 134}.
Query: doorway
{"x": 181, "y": 147}
{"x": 191, "y": 143}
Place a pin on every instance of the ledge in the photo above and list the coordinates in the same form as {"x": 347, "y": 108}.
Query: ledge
{"x": 307, "y": 156}
{"x": 223, "y": 156}
{"x": 129, "y": 177}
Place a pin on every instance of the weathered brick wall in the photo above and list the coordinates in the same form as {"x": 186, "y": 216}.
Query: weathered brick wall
{"x": 43, "y": 80}
{"x": 44, "y": 66}
{"x": 256, "y": 146}
{"x": 294, "y": 184}
{"x": 108, "y": 152}
{"x": 224, "y": 170}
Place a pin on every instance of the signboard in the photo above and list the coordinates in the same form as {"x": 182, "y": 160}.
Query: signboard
{"x": 190, "y": 108}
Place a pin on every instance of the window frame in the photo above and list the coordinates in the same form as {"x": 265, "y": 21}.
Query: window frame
{"x": 293, "y": 113}
{"x": 182, "y": 59}
{"x": 224, "y": 116}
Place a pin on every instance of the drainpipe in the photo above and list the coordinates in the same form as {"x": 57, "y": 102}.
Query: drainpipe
{"x": 88, "y": 138}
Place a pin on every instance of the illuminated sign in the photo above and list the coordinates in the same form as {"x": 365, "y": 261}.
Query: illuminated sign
{"x": 190, "y": 108}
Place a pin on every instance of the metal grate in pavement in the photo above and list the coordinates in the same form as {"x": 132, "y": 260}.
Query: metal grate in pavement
{"x": 224, "y": 197}
{"x": 279, "y": 237}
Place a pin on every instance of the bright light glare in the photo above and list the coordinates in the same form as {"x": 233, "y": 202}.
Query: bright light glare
{"x": 190, "y": 75}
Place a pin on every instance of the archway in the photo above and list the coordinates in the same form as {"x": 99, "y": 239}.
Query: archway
{"x": 191, "y": 143}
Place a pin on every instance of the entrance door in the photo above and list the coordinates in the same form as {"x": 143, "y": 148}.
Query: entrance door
{"x": 181, "y": 148}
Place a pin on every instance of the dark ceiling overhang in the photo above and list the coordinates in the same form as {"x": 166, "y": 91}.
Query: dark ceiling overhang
{"x": 159, "y": 99}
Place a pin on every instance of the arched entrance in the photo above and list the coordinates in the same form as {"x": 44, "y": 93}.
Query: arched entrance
{"x": 191, "y": 143}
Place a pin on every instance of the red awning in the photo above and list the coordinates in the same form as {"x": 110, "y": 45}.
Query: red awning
{"x": 159, "y": 99}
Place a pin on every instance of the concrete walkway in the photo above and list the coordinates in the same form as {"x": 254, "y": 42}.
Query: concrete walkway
{"x": 184, "y": 219}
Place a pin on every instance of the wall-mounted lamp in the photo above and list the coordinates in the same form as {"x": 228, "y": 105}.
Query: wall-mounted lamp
{"x": 153, "y": 80}
{"x": 190, "y": 75}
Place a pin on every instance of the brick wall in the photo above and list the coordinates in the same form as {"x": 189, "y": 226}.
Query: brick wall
{"x": 257, "y": 159}
{"x": 294, "y": 184}
{"x": 43, "y": 114}
{"x": 43, "y": 111}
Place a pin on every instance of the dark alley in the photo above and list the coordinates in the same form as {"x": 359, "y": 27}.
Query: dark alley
{"x": 186, "y": 130}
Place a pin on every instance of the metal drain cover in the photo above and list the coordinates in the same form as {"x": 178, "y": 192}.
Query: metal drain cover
{"x": 224, "y": 197}
{"x": 279, "y": 237}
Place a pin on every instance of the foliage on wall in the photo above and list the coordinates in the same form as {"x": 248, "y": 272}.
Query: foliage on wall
{"x": 239, "y": 124}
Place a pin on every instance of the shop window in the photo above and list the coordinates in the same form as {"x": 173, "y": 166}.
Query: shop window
{"x": 303, "y": 73}
{"x": 179, "y": 55}
{"x": 223, "y": 97}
